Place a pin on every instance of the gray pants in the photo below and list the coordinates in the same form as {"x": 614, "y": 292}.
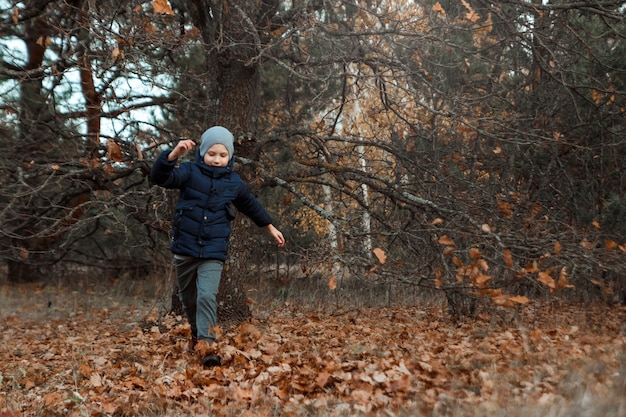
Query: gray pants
{"x": 198, "y": 283}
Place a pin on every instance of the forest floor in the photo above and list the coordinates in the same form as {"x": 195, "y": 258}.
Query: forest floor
{"x": 88, "y": 352}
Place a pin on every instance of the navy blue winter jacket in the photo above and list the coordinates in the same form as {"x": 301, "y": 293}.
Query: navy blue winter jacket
{"x": 204, "y": 213}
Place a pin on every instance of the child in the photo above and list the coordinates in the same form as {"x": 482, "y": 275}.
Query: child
{"x": 202, "y": 223}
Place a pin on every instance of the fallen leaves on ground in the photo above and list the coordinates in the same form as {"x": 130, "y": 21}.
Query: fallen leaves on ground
{"x": 403, "y": 361}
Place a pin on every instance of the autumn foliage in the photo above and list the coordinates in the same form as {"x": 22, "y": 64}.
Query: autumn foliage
{"x": 82, "y": 357}
{"x": 458, "y": 163}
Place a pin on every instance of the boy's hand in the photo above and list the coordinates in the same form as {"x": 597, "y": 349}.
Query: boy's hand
{"x": 181, "y": 147}
{"x": 276, "y": 234}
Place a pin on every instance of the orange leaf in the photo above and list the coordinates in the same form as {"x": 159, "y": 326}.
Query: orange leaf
{"x": 471, "y": 15}
{"x": 457, "y": 262}
{"x": 439, "y": 9}
{"x": 117, "y": 53}
{"x": 332, "y": 282}
{"x": 114, "y": 151}
{"x": 502, "y": 300}
{"x": 95, "y": 380}
{"x": 481, "y": 280}
{"x": 380, "y": 254}
{"x": 445, "y": 240}
{"x": 563, "y": 282}
{"x": 85, "y": 370}
{"x": 532, "y": 267}
{"x": 322, "y": 379}
{"x": 108, "y": 168}
{"x": 519, "y": 299}
{"x": 449, "y": 250}
{"x": 505, "y": 208}
{"x": 53, "y": 398}
{"x": 438, "y": 278}
{"x": 491, "y": 292}
{"x": 482, "y": 264}
{"x": 557, "y": 248}
{"x": 508, "y": 258}
{"x": 610, "y": 244}
{"x": 546, "y": 279}
{"x": 162, "y": 7}
{"x": 586, "y": 244}
{"x": 596, "y": 224}
{"x": 474, "y": 253}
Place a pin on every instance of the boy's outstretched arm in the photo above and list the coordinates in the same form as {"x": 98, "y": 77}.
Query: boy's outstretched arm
{"x": 276, "y": 234}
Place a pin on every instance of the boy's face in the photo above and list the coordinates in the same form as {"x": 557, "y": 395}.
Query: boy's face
{"x": 217, "y": 156}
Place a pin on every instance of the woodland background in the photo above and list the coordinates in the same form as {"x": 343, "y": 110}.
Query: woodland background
{"x": 463, "y": 154}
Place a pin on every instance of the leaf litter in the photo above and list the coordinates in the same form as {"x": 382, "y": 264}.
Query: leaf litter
{"x": 298, "y": 362}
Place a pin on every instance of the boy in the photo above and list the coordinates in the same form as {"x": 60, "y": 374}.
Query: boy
{"x": 203, "y": 223}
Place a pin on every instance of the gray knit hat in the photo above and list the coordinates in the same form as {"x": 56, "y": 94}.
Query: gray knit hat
{"x": 217, "y": 134}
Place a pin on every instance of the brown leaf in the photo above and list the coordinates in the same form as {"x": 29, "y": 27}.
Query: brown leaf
{"x": 108, "y": 168}
{"x": 95, "y": 380}
{"x": 437, "y": 7}
{"x": 532, "y": 267}
{"x": 322, "y": 379}
{"x": 563, "y": 281}
{"x": 449, "y": 250}
{"x": 482, "y": 264}
{"x": 28, "y": 384}
{"x": 85, "y": 370}
{"x": 474, "y": 253}
{"x": 519, "y": 299}
{"x": 505, "y": 208}
{"x": 557, "y": 248}
{"x": 508, "y": 258}
{"x": 502, "y": 300}
{"x": 586, "y": 244}
{"x": 445, "y": 240}
{"x": 332, "y": 282}
{"x": 114, "y": 151}
{"x": 162, "y": 7}
{"x": 481, "y": 280}
{"x": 438, "y": 278}
{"x": 546, "y": 279}
{"x": 471, "y": 15}
{"x": 117, "y": 53}
{"x": 380, "y": 255}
